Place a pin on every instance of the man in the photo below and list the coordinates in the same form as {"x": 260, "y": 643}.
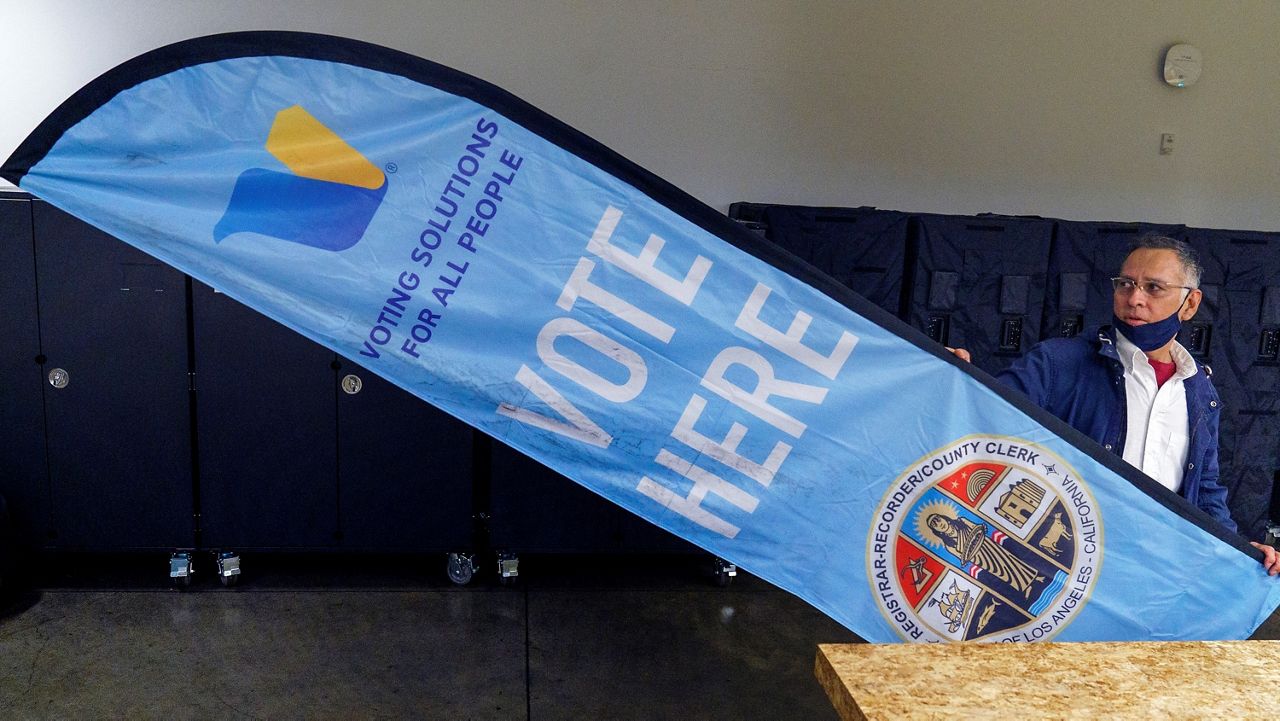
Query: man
{"x": 1133, "y": 388}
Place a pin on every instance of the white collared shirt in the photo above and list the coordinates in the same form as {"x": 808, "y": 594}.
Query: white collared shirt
{"x": 1156, "y": 439}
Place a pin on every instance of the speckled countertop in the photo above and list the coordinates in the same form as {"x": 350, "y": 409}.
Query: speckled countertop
{"x": 1173, "y": 679}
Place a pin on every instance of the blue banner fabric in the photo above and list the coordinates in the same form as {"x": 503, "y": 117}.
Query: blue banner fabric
{"x": 508, "y": 269}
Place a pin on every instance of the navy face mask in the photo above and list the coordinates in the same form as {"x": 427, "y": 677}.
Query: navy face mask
{"x": 1151, "y": 336}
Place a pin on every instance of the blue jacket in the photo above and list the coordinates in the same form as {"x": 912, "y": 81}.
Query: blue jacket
{"x": 1081, "y": 381}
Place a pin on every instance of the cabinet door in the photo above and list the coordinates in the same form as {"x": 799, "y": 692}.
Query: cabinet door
{"x": 980, "y": 284}
{"x": 863, "y": 248}
{"x": 266, "y": 428}
{"x": 1237, "y": 332}
{"x": 24, "y": 479}
{"x": 537, "y": 510}
{"x": 1083, "y": 259}
{"x": 119, "y": 434}
{"x": 405, "y": 469}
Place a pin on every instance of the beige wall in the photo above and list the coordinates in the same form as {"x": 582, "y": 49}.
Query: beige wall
{"x": 1009, "y": 106}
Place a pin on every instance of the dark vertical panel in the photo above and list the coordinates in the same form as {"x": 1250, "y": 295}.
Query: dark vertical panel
{"x": 1088, "y": 255}
{"x": 537, "y": 510}
{"x": 863, "y": 248}
{"x": 23, "y": 473}
{"x": 636, "y": 535}
{"x": 980, "y": 284}
{"x": 1242, "y": 270}
{"x": 267, "y": 430}
{"x": 405, "y": 470}
{"x": 119, "y": 432}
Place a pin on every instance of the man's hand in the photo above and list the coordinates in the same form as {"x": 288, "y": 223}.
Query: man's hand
{"x": 960, "y": 353}
{"x": 1271, "y": 559}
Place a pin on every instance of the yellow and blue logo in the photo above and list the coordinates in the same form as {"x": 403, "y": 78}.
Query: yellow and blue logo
{"x": 327, "y": 199}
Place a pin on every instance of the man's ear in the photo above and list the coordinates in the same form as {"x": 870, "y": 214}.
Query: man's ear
{"x": 1191, "y": 305}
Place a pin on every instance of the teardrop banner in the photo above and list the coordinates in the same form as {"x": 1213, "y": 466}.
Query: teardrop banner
{"x": 508, "y": 269}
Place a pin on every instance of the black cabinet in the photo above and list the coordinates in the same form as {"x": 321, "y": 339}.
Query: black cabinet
{"x": 301, "y": 450}
{"x": 863, "y": 248}
{"x": 537, "y": 510}
{"x": 182, "y": 418}
{"x": 266, "y": 430}
{"x": 1233, "y": 332}
{"x": 1082, "y": 261}
{"x": 405, "y": 469}
{"x": 113, "y": 328}
{"x": 980, "y": 284}
{"x": 24, "y": 479}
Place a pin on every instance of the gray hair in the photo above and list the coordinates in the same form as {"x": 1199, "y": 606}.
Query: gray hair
{"x": 1186, "y": 254}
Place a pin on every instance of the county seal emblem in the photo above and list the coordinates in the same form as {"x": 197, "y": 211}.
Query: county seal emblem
{"x": 986, "y": 539}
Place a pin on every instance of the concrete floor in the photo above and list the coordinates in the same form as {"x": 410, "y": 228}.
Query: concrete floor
{"x": 344, "y": 638}
{"x": 351, "y": 638}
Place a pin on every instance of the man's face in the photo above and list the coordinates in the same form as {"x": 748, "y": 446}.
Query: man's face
{"x": 1137, "y": 307}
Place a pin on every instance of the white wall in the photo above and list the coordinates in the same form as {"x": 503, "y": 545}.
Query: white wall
{"x": 1009, "y": 106}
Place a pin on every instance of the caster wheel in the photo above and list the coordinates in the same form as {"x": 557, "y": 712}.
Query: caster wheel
{"x": 508, "y": 568}
{"x": 228, "y": 568}
{"x": 725, "y": 572}
{"x": 181, "y": 569}
{"x": 461, "y": 568}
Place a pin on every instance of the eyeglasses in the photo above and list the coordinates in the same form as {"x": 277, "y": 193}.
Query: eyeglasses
{"x": 1153, "y": 289}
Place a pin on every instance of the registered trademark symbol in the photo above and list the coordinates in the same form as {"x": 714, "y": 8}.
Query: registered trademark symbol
{"x": 392, "y": 167}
